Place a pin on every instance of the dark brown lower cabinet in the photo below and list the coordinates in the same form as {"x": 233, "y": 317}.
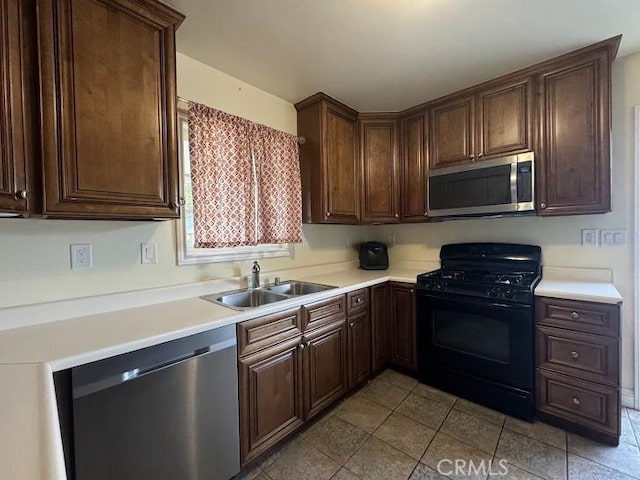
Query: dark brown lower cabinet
{"x": 578, "y": 367}
{"x": 403, "y": 326}
{"x": 270, "y": 397}
{"x": 359, "y": 351}
{"x": 287, "y": 376}
{"x": 325, "y": 367}
{"x": 380, "y": 326}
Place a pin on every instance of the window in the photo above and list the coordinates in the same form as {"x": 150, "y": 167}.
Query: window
{"x": 187, "y": 253}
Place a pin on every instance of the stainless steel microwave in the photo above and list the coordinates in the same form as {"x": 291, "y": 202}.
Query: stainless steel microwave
{"x": 492, "y": 187}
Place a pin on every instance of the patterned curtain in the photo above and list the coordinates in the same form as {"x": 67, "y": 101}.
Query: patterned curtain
{"x": 279, "y": 188}
{"x": 245, "y": 181}
{"x": 222, "y": 178}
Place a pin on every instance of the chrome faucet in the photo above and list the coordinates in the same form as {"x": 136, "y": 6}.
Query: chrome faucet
{"x": 255, "y": 272}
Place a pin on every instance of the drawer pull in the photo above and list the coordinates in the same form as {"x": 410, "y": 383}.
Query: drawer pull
{"x": 576, "y": 401}
{"x": 575, "y": 315}
{"x": 575, "y": 355}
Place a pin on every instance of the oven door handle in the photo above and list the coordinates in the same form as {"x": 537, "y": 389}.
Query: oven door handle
{"x": 474, "y": 301}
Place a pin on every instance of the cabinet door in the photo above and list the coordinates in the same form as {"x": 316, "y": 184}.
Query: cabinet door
{"x": 359, "y": 335}
{"x": 325, "y": 367}
{"x": 108, "y": 108}
{"x": 403, "y": 326}
{"x": 270, "y": 397}
{"x": 413, "y": 204}
{"x": 17, "y": 77}
{"x": 574, "y": 168}
{"x": 451, "y": 132}
{"x": 379, "y": 171}
{"x": 341, "y": 174}
{"x": 505, "y": 119}
{"x": 380, "y": 326}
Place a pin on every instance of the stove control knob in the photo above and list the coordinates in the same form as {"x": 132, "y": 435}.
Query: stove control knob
{"x": 508, "y": 294}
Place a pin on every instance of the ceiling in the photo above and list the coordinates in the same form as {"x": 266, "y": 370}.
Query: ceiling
{"x": 391, "y": 54}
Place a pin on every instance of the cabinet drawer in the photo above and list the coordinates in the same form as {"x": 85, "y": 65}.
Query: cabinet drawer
{"x": 587, "y": 404}
{"x": 587, "y": 356}
{"x": 322, "y": 313}
{"x": 259, "y": 333}
{"x": 357, "y": 300}
{"x": 587, "y": 317}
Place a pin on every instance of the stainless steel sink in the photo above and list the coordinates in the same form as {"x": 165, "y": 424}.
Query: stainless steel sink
{"x": 244, "y": 299}
{"x": 295, "y": 289}
{"x": 252, "y": 298}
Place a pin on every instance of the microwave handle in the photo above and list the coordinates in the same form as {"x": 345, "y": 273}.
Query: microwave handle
{"x": 514, "y": 181}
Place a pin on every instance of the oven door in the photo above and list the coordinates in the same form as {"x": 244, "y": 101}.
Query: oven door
{"x": 478, "y": 337}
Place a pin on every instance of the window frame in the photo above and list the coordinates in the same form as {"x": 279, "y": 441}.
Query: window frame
{"x": 187, "y": 255}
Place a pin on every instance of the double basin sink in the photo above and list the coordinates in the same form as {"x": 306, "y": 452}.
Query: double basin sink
{"x": 257, "y": 297}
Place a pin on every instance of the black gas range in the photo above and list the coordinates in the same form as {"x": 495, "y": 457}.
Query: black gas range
{"x": 476, "y": 324}
{"x": 486, "y": 270}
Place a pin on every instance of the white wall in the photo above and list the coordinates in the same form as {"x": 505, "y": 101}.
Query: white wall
{"x": 559, "y": 237}
{"x": 34, "y": 253}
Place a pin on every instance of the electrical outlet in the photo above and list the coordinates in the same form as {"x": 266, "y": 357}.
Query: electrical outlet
{"x": 589, "y": 238}
{"x": 148, "y": 253}
{"x": 81, "y": 257}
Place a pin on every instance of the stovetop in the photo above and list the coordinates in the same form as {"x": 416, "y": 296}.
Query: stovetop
{"x": 488, "y": 270}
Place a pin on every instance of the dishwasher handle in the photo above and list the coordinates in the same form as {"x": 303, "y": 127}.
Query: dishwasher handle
{"x": 139, "y": 372}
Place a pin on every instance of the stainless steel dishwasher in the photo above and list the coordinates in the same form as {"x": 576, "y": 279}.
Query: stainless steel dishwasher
{"x": 167, "y": 412}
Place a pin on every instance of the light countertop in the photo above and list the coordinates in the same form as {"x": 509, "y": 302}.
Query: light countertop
{"x": 577, "y": 290}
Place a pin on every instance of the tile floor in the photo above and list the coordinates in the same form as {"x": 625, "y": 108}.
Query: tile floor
{"x": 396, "y": 428}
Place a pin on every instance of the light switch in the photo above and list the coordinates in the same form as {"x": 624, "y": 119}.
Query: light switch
{"x": 148, "y": 253}
{"x": 613, "y": 238}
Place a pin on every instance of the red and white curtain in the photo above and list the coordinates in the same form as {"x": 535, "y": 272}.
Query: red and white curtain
{"x": 245, "y": 181}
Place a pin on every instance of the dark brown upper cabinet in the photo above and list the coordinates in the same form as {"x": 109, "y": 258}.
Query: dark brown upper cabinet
{"x": 329, "y": 162}
{"x": 560, "y": 109}
{"x": 505, "y": 118}
{"x": 108, "y": 106}
{"x": 380, "y": 172}
{"x": 18, "y": 75}
{"x": 452, "y": 132}
{"x": 494, "y": 121}
{"x": 413, "y": 169}
{"x": 574, "y": 157}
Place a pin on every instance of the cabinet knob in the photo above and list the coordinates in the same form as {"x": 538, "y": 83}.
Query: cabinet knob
{"x": 301, "y": 346}
{"x": 397, "y": 216}
{"x": 328, "y": 214}
{"x": 575, "y": 401}
{"x": 575, "y": 354}
{"x": 575, "y": 315}
{"x": 543, "y": 206}
{"x": 359, "y": 300}
{"x": 351, "y": 324}
{"x": 480, "y": 155}
{"x": 179, "y": 203}
{"x": 23, "y": 194}
{"x": 426, "y": 214}
{"x": 411, "y": 291}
